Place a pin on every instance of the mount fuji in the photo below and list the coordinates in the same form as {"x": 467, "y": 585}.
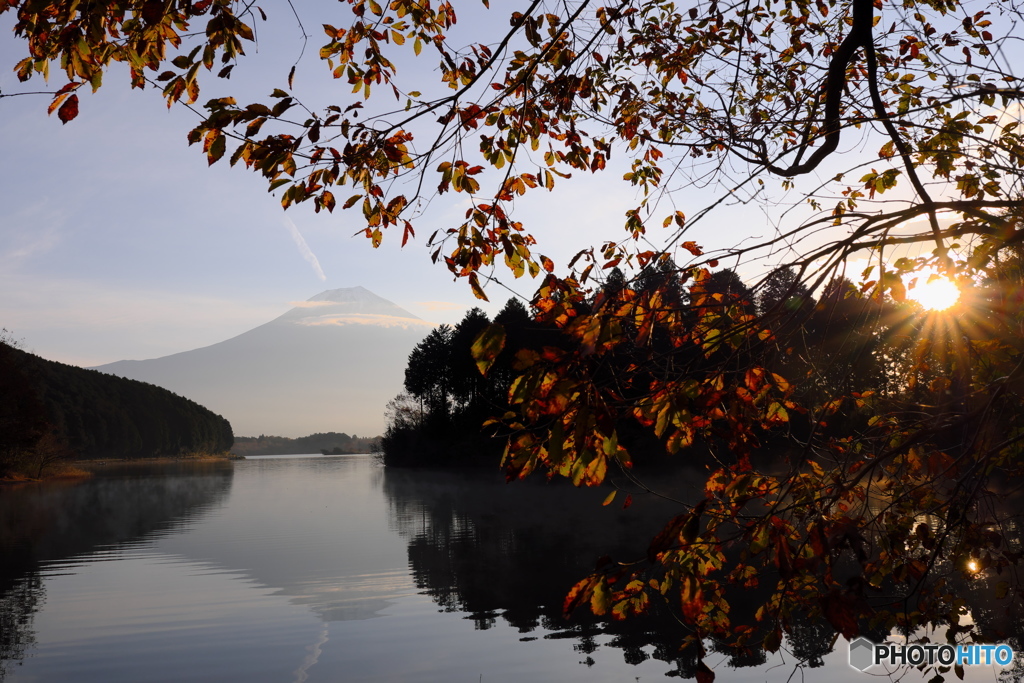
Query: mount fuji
{"x": 331, "y": 363}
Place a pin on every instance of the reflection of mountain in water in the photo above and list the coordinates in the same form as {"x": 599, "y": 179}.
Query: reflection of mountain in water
{"x": 51, "y": 522}
{"x": 313, "y": 529}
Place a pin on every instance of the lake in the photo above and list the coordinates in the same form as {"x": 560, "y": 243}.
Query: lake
{"x": 309, "y": 568}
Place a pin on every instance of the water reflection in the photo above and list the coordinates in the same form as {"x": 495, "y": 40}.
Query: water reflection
{"x": 314, "y": 529}
{"x": 511, "y": 552}
{"x": 334, "y": 569}
{"x": 64, "y": 524}
{"x": 18, "y": 605}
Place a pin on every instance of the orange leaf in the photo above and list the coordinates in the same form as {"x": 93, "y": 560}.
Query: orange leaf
{"x": 478, "y": 291}
{"x": 577, "y": 595}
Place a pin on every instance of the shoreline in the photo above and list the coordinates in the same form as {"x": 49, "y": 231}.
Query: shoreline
{"x": 68, "y": 473}
{"x": 163, "y": 460}
{"x": 76, "y": 470}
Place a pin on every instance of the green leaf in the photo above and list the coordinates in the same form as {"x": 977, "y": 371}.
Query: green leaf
{"x": 777, "y": 413}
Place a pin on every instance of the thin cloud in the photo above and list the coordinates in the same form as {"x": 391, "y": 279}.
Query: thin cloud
{"x": 366, "y": 319}
{"x": 91, "y": 323}
{"x": 440, "y": 305}
{"x": 304, "y": 249}
{"x": 35, "y": 245}
{"x": 311, "y": 304}
{"x": 25, "y": 242}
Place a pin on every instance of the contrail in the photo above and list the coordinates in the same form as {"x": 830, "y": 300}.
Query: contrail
{"x": 301, "y": 675}
{"x": 304, "y": 249}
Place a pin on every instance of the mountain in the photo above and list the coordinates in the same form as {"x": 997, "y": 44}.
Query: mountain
{"x": 330, "y": 363}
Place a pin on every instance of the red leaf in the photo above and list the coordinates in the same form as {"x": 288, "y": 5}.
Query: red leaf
{"x": 69, "y": 109}
{"x": 704, "y": 673}
{"x": 783, "y": 558}
{"x": 152, "y": 12}
{"x": 841, "y": 611}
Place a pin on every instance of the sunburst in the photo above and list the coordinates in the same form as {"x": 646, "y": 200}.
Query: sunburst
{"x": 935, "y": 292}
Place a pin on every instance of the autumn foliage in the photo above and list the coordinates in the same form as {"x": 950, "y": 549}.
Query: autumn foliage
{"x": 881, "y": 482}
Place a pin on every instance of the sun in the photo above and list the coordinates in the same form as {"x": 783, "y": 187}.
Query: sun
{"x": 936, "y": 293}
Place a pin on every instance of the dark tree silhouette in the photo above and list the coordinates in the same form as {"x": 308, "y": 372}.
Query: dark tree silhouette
{"x": 55, "y": 407}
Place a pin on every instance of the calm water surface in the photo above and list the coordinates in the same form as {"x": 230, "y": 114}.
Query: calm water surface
{"x": 298, "y": 569}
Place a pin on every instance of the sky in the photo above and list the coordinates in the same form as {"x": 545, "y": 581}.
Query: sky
{"x": 117, "y": 241}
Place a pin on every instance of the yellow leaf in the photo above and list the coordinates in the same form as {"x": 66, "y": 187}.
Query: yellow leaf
{"x": 487, "y": 346}
{"x": 600, "y": 600}
{"x": 478, "y": 291}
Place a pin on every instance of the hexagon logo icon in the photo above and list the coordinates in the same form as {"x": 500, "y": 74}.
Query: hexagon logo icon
{"x": 861, "y": 654}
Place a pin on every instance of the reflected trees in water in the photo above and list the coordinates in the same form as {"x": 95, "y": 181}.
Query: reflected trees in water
{"x": 45, "y": 523}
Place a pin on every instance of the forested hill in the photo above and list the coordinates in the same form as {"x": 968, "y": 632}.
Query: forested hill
{"x": 89, "y": 414}
{"x": 329, "y": 443}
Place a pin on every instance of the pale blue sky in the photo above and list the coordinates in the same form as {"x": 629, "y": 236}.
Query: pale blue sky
{"x": 118, "y": 242}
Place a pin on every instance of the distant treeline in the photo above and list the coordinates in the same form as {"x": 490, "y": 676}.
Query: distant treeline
{"x": 51, "y": 411}
{"x": 329, "y": 443}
